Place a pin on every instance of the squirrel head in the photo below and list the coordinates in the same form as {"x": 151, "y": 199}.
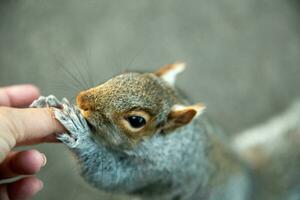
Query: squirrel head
{"x": 134, "y": 106}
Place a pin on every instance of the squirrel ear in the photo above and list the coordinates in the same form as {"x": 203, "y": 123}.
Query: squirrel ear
{"x": 182, "y": 115}
{"x": 169, "y": 72}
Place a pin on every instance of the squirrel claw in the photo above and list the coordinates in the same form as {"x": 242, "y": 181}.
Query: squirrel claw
{"x": 49, "y": 101}
{"x": 68, "y": 140}
{"x": 65, "y": 101}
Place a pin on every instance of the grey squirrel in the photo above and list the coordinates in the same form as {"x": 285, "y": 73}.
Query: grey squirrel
{"x": 136, "y": 135}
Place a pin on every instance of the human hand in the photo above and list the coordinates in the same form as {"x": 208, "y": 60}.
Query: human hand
{"x": 23, "y": 127}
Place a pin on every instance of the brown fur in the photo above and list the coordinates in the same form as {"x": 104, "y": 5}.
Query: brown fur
{"x": 162, "y": 71}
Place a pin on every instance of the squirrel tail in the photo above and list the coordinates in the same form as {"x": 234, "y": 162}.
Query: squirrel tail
{"x": 274, "y": 141}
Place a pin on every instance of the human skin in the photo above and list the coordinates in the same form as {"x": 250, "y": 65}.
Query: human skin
{"x": 21, "y": 126}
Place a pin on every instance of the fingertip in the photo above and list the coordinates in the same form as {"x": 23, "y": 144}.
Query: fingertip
{"x": 24, "y": 188}
{"x": 28, "y": 162}
{"x": 54, "y": 124}
{"x": 23, "y": 95}
{"x": 18, "y": 95}
{"x": 32, "y": 89}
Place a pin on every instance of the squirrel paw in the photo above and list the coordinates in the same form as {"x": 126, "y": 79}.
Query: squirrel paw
{"x": 70, "y": 117}
{"x": 49, "y": 101}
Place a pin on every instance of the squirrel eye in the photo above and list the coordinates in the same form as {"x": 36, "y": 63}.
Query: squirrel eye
{"x": 136, "y": 121}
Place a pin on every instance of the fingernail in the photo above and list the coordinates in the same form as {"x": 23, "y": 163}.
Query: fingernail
{"x": 44, "y": 159}
{"x": 41, "y": 185}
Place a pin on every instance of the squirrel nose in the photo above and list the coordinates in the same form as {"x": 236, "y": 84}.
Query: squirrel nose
{"x": 83, "y": 101}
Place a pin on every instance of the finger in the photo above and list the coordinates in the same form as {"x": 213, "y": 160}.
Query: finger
{"x": 31, "y": 124}
{"x": 22, "y": 163}
{"x": 26, "y": 126}
{"x": 22, "y": 189}
{"x": 18, "y": 95}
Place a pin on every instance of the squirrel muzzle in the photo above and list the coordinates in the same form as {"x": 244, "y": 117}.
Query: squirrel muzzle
{"x": 84, "y": 101}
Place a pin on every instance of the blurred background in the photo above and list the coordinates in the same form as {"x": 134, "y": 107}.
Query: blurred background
{"x": 243, "y": 58}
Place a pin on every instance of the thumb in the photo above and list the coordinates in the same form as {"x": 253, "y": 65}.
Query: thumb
{"x": 26, "y": 126}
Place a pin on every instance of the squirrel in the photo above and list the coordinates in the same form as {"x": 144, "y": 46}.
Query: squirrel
{"x": 135, "y": 134}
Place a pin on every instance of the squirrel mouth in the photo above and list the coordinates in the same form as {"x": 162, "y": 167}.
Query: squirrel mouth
{"x": 86, "y": 117}
{"x": 90, "y": 125}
